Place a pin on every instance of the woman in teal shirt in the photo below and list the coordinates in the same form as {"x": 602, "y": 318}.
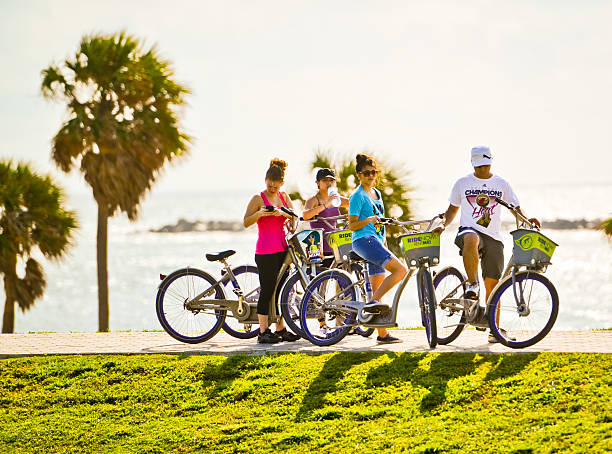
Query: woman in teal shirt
{"x": 365, "y": 208}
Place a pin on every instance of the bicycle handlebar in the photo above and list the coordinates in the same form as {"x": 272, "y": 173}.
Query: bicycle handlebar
{"x": 516, "y": 213}
{"x": 393, "y": 221}
{"x": 289, "y": 212}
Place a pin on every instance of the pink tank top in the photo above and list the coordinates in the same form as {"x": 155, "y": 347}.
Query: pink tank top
{"x": 271, "y": 238}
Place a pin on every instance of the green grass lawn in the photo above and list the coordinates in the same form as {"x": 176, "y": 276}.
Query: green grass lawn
{"x": 336, "y": 403}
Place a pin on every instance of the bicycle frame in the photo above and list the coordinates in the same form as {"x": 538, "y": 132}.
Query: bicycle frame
{"x": 239, "y": 309}
{"x": 477, "y": 316}
{"x": 386, "y": 319}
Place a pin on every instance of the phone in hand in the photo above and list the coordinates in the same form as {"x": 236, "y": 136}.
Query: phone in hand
{"x": 269, "y": 208}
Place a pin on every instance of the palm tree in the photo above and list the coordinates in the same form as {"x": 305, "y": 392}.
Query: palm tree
{"x": 606, "y": 226}
{"x": 31, "y": 217}
{"x": 392, "y": 183}
{"x": 122, "y": 128}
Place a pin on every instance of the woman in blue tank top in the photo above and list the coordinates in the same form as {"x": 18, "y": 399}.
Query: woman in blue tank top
{"x": 365, "y": 209}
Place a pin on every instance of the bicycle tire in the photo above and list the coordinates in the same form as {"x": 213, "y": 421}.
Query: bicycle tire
{"x": 250, "y": 290}
{"x": 540, "y": 292}
{"x": 290, "y": 302}
{"x": 290, "y": 299}
{"x": 310, "y": 312}
{"x": 175, "y": 289}
{"x": 445, "y": 281}
{"x": 427, "y": 302}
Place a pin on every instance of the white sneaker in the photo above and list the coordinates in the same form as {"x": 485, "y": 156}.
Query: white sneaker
{"x": 472, "y": 291}
{"x": 374, "y": 307}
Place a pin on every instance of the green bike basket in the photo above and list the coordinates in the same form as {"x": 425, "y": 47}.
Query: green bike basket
{"x": 418, "y": 245}
{"x": 531, "y": 247}
{"x": 341, "y": 242}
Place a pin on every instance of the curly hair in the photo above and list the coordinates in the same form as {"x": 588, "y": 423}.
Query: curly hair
{"x": 276, "y": 172}
{"x": 364, "y": 160}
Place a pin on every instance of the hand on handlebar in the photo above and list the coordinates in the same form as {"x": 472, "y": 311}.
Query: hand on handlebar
{"x": 536, "y": 222}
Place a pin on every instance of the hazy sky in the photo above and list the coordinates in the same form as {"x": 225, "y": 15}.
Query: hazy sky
{"x": 417, "y": 83}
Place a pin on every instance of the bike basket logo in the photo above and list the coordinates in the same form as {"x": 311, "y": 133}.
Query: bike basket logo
{"x": 525, "y": 242}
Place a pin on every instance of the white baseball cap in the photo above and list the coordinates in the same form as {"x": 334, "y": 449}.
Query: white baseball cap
{"x": 481, "y": 156}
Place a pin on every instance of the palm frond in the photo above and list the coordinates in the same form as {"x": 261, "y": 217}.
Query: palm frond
{"x": 606, "y": 226}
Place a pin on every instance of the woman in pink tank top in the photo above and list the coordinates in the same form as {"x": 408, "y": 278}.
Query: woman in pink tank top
{"x": 271, "y": 248}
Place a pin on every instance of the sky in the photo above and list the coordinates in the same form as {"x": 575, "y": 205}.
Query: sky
{"x": 415, "y": 83}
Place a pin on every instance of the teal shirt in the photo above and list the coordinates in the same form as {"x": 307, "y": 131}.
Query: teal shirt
{"x": 362, "y": 206}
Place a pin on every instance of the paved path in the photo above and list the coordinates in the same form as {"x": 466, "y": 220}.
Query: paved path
{"x": 14, "y": 345}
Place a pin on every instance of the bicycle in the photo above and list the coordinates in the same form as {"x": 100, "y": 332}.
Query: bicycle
{"x": 292, "y": 293}
{"x": 192, "y": 306}
{"x": 518, "y": 318}
{"x": 333, "y": 293}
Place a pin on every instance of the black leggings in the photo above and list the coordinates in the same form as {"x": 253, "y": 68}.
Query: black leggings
{"x": 268, "y": 267}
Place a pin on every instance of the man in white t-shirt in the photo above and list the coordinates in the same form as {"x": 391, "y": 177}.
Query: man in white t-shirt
{"x": 480, "y": 221}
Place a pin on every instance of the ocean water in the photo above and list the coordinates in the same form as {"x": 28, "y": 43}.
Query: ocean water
{"x": 581, "y": 270}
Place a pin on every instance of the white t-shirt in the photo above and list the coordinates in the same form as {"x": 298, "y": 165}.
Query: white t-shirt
{"x": 476, "y": 197}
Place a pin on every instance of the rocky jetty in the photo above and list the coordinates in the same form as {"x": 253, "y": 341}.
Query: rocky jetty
{"x": 564, "y": 224}
{"x": 200, "y": 226}
{"x": 183, "y": 225}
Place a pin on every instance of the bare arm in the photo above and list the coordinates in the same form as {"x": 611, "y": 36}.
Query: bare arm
{"x": 311, "y": 209}
{"x": 355, "y": 224}
{"x": 344, "y": 202}
{"x": 450, "y": 214}
{"x": 532, "y": 220}
{"x": 255, "y": 210}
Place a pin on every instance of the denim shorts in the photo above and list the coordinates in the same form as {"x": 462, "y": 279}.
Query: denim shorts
{"x": 374, "y": 251}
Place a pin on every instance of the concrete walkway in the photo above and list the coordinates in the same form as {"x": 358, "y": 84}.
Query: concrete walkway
{"x": 470, "y": 341}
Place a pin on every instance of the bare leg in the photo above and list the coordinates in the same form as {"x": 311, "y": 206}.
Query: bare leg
{"x": 263, "y": 322}
{"x": 470, "y": 256}
{"x": 280, "y": 324}
{"x": 398, "y": 271}
{"x": 384, "y": 284}
{"x": 489, "y": 285}
{"x": 375, "y": 282}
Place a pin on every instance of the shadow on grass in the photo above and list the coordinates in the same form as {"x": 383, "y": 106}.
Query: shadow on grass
{"x": 444, "y": 368}
{"x": 223, "y": 375}
{"x": 326, "y": 382}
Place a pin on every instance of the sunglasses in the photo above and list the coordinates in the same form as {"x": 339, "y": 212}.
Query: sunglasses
{"x": 367, "y": 173}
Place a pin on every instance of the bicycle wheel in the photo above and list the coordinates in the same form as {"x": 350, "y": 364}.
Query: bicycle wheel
{"x": 291, "y": 301}
{"x": 449, "y": 283}
{"x": 190, "y": 326}
{"x": 427, "y": 302}
{"x": 519, "y": 326}
{"x": 248, "y": 280}
{"x": 326, "y": 326}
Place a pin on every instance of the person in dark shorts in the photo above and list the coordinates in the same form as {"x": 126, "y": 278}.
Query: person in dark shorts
{"x": 480, "y": 223}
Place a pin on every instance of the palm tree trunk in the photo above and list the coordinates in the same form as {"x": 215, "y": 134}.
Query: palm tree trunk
{"x": 8, "y": 318}
{"x": 102, "y": 246}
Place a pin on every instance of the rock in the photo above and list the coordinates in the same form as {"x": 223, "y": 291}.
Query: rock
{"x": 183, "y": 225}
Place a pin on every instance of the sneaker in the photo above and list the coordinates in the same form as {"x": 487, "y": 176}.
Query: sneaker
{"x": 388, "y": 339}
{"x": 287, "y": 336}
{"x": 493, "y": 339}
{"x": 268, "y": 337}
{"x": 472, "y": 291}
{"x": 374, "y": 306}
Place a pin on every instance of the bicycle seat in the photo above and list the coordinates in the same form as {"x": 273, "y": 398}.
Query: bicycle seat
{"x": 219, "y": 255}
{"x": 356, "y": 257}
